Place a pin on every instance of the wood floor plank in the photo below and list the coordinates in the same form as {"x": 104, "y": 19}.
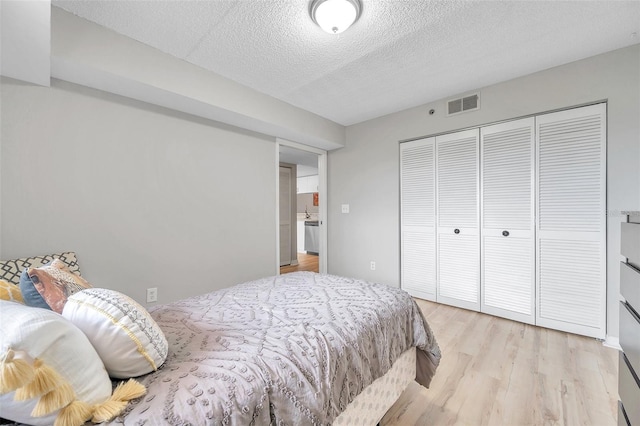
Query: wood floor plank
{"x": 306, "y": 262}
{"x": 499, "y": 372}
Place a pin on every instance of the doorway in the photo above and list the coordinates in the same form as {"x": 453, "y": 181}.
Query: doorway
{"x": 306, "y": 225}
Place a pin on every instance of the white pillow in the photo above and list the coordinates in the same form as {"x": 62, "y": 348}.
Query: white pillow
{"x": 123, "y": 333}
{"x": 43, "y": 334}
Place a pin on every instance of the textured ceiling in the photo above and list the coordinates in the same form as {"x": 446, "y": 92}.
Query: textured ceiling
{"x": 399, "y": 54}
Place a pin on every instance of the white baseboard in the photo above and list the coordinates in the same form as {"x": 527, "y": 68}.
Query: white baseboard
{"x": 612, "y": 342}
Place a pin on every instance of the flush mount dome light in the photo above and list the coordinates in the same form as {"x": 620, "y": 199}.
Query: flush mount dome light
{"x": 335, "y": 16}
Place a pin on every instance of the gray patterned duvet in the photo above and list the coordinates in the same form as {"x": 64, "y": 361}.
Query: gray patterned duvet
{"x": 288, "y": 350}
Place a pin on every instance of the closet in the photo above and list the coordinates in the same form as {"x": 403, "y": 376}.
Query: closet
{"x": 509, "y": 219}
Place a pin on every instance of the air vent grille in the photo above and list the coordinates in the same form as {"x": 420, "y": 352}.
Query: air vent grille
{"x": 467, "y": 103}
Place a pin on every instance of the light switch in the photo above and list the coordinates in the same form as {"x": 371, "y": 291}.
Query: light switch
{"x": 345, "y": 208}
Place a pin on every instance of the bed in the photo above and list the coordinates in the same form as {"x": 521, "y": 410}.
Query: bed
{"x": 294, "y": 349}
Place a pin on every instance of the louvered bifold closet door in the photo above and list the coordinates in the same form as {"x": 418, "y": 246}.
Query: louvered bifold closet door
{"x": 458, "y": 242}
{"x": 508, "y": 246}
{"x": 418, "y": 218}
{"x": 571, "y": 234}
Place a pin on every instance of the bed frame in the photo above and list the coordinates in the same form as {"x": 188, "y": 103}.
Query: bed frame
{"x": 374, "y": 401}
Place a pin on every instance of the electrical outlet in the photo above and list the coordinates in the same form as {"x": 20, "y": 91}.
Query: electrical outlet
{"x": 152, "y": 294}
{"x": 373, "y": 265}
{"x": 345, "y": 208}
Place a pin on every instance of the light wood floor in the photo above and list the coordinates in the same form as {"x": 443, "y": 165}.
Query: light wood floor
{"x": 499, "y": 372}
{"x": 306, "y": 262}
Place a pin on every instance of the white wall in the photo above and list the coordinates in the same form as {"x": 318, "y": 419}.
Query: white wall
{"x": 365, "y": 174}
{"x": 25, "y": 40}
{"x": 146, "y": 196}
{"x": 86, "y": 53}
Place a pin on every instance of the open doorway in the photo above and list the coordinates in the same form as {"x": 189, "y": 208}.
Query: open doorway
{"x": 302, "y": 233}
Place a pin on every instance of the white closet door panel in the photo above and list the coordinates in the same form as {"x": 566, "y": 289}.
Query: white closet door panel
{"x": 417, "y": 203}
{"x": 570, "y": 164}
{"x": 418, "y": 183}
{"x": 508, "y": 246}
{"x": 571, "y": 233}
{"x": 457, "y": 171}
{"x": 507, "y": 175}
{"x": 571, "y": 280}
{"x": 458, "y": 270}
{"x": 419, "y": 264}
{"x": 458, "y": 249}
{"x": 508, "y": 277}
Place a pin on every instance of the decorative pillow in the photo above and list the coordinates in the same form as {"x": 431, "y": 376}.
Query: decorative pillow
{"x": 56, "y": 283}
{"x": 123, "y": 333}
{"x": 10, "y": 270}
{"x": 10, "y": 292}
{"x": 49, "y": 372}
{"x": 30, "y": 295}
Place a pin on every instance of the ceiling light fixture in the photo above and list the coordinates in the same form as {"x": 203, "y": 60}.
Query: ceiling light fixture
{"x": 335, "y": 16}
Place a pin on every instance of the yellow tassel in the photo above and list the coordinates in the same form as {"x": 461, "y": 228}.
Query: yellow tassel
{"x": 124, "y": 392}
{"x": 14, "y": 372}
{"x": 44, "y": 381}
{"x": 54, "y": 400}
{"x": 74, "y": 414}
{"x": 107, "y": 410}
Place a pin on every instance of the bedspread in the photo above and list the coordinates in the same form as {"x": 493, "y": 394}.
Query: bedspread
{"x": 293, "y": 349}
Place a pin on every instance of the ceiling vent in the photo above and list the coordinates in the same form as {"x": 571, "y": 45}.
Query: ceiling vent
{"x": 468, "y": 103}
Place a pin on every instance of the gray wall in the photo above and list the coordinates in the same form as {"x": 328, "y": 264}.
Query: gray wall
{"x": 146, "y": 196}
{"x": 365, "y": 174}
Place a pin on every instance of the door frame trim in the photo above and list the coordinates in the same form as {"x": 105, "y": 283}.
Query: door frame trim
{"x": 322, "y": 194}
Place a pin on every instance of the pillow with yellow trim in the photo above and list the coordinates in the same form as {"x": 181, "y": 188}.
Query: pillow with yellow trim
{"x": 10, "y": 292}
{"x": 50, "y": 373}
{"x": 123, "y": 333}
{"x": 55, "y": 283}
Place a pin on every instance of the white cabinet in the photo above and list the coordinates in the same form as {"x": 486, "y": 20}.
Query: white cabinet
{"x": 308, "y": 184}
{"x": 519, "y": 229}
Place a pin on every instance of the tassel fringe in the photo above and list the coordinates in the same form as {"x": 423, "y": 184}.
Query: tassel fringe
{"x": 55, "y": 393}
{"x": 74, "y": 414}
{"x": 14, "y": 372}
{"x": 54, "y": 400}
{"x": 44, "y": 381}
{"x": 107, "y": 410}
{"x": 124, "y": 392}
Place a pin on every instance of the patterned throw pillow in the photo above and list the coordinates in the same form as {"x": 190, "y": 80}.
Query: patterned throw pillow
{"x": 10, "y": 292}
{"x": 55, "y": 283}
{"x": 30, "y": 295}
{"x": 51, "y": 338}
{"x": 10, "y": 270}
{"x": 123, "y": 333}
{"x": 61, "y": 379}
